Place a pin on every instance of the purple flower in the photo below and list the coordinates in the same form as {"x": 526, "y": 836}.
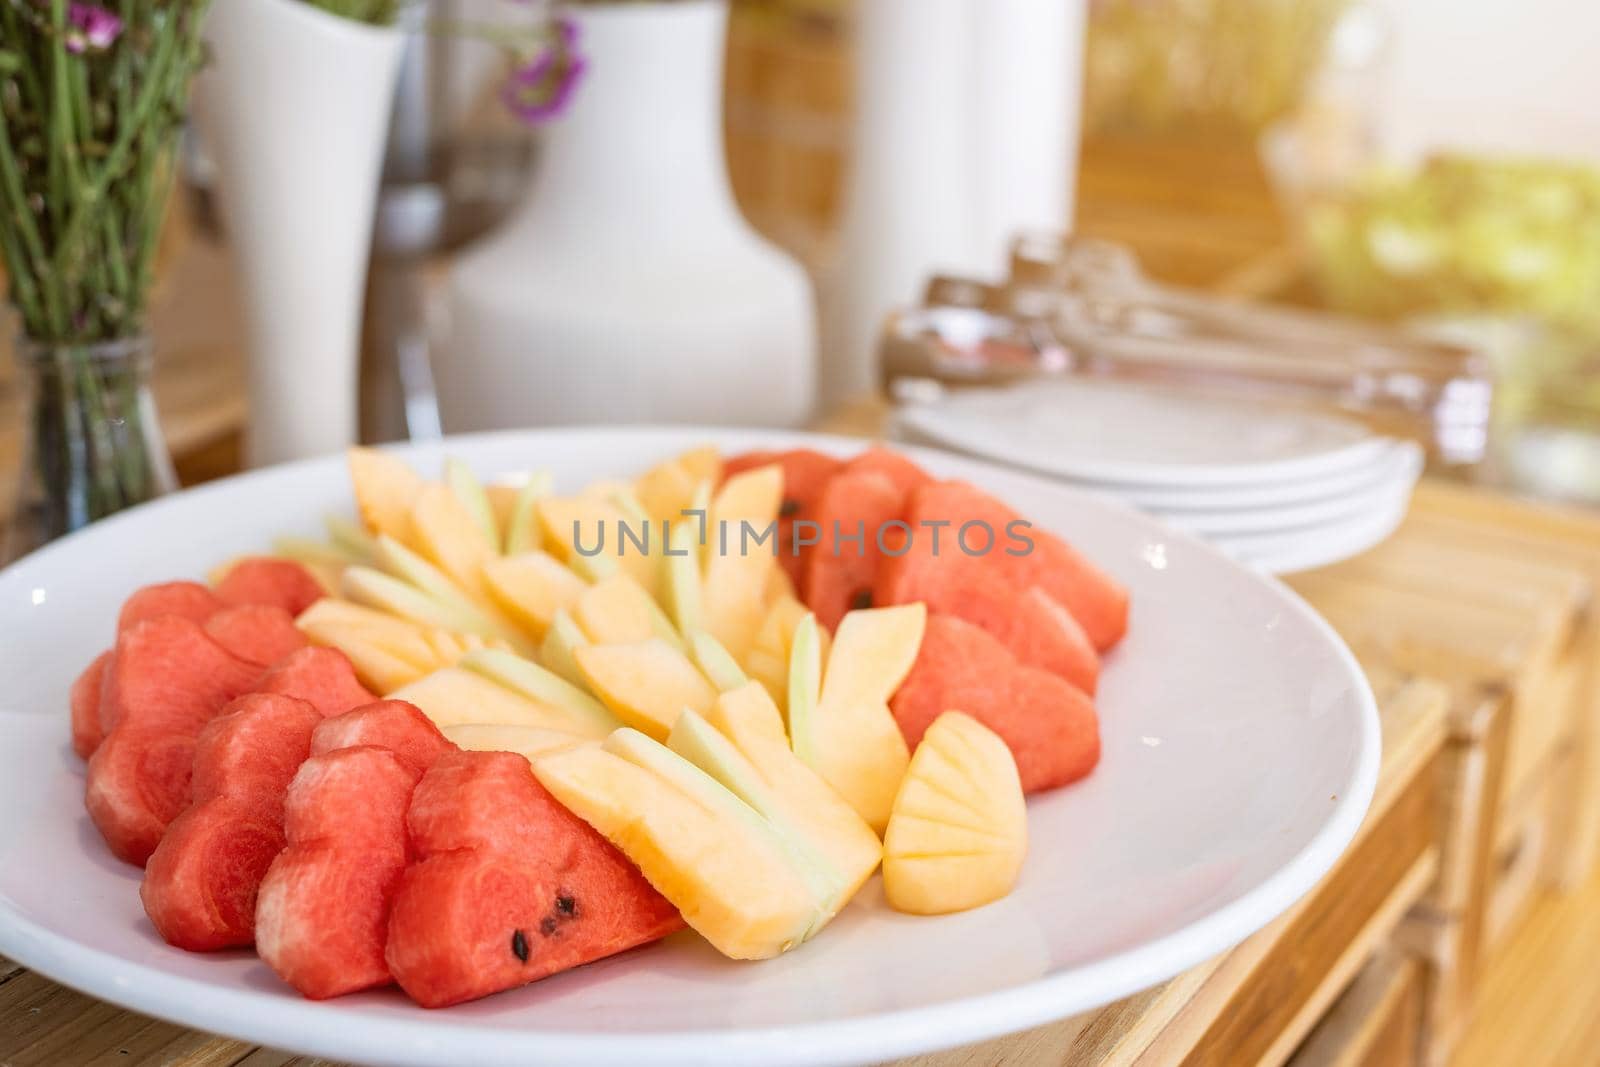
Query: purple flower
{"x": 539, "y": 89}
{"x": 90, "y": 28}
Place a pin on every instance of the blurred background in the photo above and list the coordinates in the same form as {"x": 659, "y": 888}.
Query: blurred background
{"x": 1420, "y": 164}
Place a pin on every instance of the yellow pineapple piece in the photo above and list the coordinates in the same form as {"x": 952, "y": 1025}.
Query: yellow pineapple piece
{"x": 959, "y": 828}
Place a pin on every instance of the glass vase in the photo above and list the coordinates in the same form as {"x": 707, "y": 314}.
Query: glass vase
{"x": 92, "y": 445}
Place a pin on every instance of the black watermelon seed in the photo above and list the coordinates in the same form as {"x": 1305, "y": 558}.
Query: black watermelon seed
{"x": 519, "y": 945}
{"x": 789, "y": 508}
{"x": 566, "y": 905}
{"x": 862, "y": 599}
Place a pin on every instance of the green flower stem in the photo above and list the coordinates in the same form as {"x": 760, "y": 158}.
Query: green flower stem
{"x": 11, "y": 175}
{"x": 91, "y": 193}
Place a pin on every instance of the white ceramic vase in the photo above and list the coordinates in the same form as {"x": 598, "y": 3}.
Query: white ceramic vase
{"x": 966, "y": 131}
{"x": 294, "y": 109}
{"x": 628, "y": 288}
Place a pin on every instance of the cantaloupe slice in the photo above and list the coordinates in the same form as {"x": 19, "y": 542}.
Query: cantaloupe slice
{"x": 702, "y": 848}
{"x": 682, "y": 591}
{"x": 595, "y": 524}
{"x": 331, "y": 621}
{"x": 847, "y": 734}
{"x": 541, "y": 685}
{"x": 452, "y": 537}
{"x": 959, "y": 829}
{"x": 471, "y": 494}
{"x": 745, "y": 710}
{"x": 521, "y": 524}
{"x": 350, "y": 537}
{"x": 737, "y": 569}
{"x": 531, "y": 587}
{"x": 617, "y": 610}
{"x": 560, "y": 643}
{"x": 456, "y": 696}
{"x": 614, "y": 610}
{"x": 745, "y": 718}
{"x": 385, "y": 592}
{"x": 715, "y": 662}
{"x": 529, "y": 742}
{"x": 646, "y": 683}
{"x": 667, "y": 489}
{"x": 768, "y": 658}
{"x": 385, "y": 488}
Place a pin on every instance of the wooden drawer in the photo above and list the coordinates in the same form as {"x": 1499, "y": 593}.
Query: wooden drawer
{"x": 1374, "y": 1023}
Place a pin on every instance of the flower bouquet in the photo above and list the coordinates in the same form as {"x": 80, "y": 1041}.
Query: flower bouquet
{"x": 91, "y": 102}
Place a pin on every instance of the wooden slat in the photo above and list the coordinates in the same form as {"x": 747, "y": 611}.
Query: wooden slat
{"x": 1572, "y": 536}
{"x": 1535, "y": 1007}
{"x": 1374, "y": 1023}
{"x": 1378, "y": 880}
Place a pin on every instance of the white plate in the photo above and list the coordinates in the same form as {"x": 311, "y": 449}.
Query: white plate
{"x": 1240, "y": 752}
{"x": 1396, "y": 456}
{"x": 1124, "y": 435}
{"x": 1380, "y": 497}
{"x": 1318, "y": 546}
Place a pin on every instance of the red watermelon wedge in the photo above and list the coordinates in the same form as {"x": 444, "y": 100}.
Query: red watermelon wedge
{"x": 200, "y": 884}
{"x": 508, "y": 886}
{"x": 1022, "y": 554}
{"x": 167, "y": 680}
{"x": 322, "y": 676}
{"x": 805, "y": 473}
{"x": 323, "y": 911}
{"x": 841, "y": 569}
{"x": 85, "y": 701}
{"x": 1049, "y": 725}
{"x": 400, "y": 727}
{"x": 260, "y": 633}
{"x": 267, "y": 580}
{"x": 905, "y": 474}
{"x": 189, "y": 600}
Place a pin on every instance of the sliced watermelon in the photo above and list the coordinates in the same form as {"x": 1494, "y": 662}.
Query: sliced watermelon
{"x": 189, "y": 600}
{"x": 85, "y": 701}
{"x": 1024, "y": 555}
{"x": 260, "y": 633}
{"x": 267, "y": 580}
{"x": 200, "y": 884}
{"x": 1044, "y": 634}
{"x": 508, "y": 886}
{"x": 322, "y": 676}
{"x": 805, "y": 473}
{"x": 323, "y": 911}
{"x": 905, "y": 474}
{"x": 1037, "y": 630}
{"x": 400, "y": 727}
{"x": 1049, "y": 725}
{"x": 841, "y": 569}
{"x": 167, "y": 680}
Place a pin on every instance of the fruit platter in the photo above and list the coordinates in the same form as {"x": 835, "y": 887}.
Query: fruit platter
{"x": 653, "y": 745}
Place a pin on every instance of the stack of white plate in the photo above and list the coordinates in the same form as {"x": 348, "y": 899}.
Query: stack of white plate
{"x": 1277, "y": 488}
